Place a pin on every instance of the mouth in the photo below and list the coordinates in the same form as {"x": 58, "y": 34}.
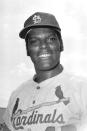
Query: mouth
{"x": 46, "y": 55}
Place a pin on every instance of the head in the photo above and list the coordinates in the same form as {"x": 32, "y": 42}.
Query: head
{"x": 43, "y": 39}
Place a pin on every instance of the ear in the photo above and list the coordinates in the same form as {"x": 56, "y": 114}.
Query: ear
{"x": 61, "y": 45}
{"x": 28, "y": 54}
{"x": 26, "y": 41}
{"x": 61, "y": 41}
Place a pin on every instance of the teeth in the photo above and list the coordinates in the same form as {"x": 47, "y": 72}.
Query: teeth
{"x": 44, "y": 55}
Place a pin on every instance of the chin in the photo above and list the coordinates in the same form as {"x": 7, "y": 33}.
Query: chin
{"x": 48, "y": 67}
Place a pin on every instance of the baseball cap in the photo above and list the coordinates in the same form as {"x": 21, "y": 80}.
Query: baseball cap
{"x": 39, "y": 19}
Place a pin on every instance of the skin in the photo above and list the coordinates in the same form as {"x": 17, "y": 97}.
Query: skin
{"x": 44, "y": 41}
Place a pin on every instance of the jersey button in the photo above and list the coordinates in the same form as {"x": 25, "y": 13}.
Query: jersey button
{"x": 38, "y": 87}
{"x": 33, "y": 101}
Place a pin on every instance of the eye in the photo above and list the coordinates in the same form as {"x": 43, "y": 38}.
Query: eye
{"x": 33, "y": 41}
{"x": 52, "y": 39}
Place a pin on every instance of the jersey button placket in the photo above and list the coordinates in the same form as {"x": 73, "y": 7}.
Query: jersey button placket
{"x": 33, "y": 101}
{"x": 37, "y": 88}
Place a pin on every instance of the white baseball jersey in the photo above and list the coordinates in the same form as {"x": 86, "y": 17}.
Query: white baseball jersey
{"x": 58, "y": 103}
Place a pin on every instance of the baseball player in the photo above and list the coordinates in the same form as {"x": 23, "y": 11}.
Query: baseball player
{"x": 53, "y": 100}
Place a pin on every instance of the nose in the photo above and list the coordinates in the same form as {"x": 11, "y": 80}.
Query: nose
{"x": 43, "y": 44}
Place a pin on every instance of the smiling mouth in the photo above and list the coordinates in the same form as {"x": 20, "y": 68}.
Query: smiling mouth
{"x": 44, "y": 55}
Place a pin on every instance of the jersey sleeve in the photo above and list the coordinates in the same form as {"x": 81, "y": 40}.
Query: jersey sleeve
{"x": 84, "y": 102}
{"x": 7, "y": 114}
{"x": 84, "y": 97}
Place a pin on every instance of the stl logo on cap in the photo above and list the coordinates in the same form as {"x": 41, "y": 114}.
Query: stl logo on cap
{"x": 36, "y": 19}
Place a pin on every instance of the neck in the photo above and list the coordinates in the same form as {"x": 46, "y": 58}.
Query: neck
{"x": 43, "y": 75}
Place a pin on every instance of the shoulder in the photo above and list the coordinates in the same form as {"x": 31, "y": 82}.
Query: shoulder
{"x": 75, "y": 84}
{"x": 20, "y": 93}
{"x": 13, "y": 99}
{"x": 79, "y": 85}
{"x": 22, "y": 88}
{"x": 71, "y": 77}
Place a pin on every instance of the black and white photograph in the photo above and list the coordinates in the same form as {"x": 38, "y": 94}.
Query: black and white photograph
{"x": 43, "y": 65}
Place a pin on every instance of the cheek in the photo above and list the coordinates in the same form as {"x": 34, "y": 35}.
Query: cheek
{"x": 33, "y": 50}
{"x": 55, "y": 47}
{"x": 56, "y": 57}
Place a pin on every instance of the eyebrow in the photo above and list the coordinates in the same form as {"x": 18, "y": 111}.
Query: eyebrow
{"x": 49, "y": 34}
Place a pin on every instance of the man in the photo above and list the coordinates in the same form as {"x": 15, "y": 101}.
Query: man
{"x": 53, "y": 100}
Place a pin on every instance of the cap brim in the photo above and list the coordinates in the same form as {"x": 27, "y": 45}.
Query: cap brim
{"x": 23, "y": 32}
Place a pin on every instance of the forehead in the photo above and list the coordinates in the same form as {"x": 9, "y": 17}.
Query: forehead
{"x": 39, "y": 31}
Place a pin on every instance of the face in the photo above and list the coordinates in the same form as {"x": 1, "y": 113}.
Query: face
{"x": 44, "y": 48}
